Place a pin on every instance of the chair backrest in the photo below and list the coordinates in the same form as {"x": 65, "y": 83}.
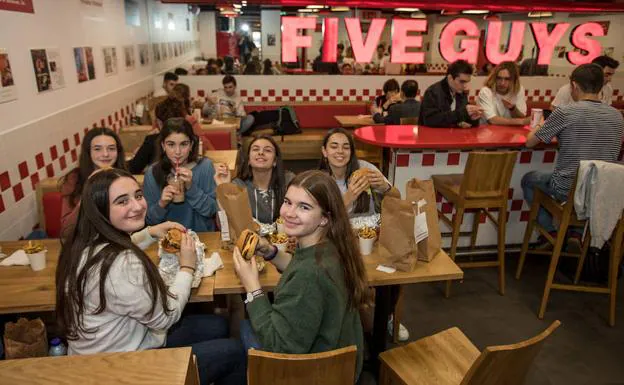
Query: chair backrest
{"x": 506, "y": 364}
{"x": 487, "y": 174}
{"x": 413, "y": 120}
{"x": 336, "y": 367}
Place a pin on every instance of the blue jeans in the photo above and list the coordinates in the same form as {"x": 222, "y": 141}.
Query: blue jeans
{"x": 245, "y": 124}
{"x": 220, "y": 360}
{"x": 248, "y": 337}
{"x": 540, "y": 179}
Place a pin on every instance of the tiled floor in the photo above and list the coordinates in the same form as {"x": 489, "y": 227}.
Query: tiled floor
{"x": 583, "y": 351}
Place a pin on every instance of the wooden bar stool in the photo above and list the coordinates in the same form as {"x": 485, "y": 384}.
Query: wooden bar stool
{"x": 484, "y": 185}
{"x": 450, "y": 358}
{"x": 566, "y": 216}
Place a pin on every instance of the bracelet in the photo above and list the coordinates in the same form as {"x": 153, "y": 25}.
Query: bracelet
{"x": 273, "y": 254}
{"x": 188, "y": 267}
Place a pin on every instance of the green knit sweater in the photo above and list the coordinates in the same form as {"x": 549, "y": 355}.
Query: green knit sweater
{"x": 310, "y": 312}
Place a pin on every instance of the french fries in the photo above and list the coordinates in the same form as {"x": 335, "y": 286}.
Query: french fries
{"x": 33, "y": 248}
{"x": 278, "y": 238}
{"x": 367, "y": 233}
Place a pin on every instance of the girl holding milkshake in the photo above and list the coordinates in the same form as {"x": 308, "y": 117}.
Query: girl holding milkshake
{"x": 181, "y": 185}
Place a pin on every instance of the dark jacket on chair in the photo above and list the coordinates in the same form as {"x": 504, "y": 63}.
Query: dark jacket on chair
{"x": 436, "y": 107}
{"x": 410, "y": 108}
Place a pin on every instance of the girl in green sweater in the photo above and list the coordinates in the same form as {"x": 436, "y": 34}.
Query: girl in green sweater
{"x": 323, "y": 285}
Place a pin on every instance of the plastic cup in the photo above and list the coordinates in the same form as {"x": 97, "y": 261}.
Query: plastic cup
{"x": 37, "y": 260}
{"x": 366, "y": 245}
{"x": 173, "y": 180}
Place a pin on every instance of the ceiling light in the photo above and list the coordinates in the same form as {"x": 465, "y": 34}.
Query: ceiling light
{"x": 237, "y": 5}
{"x": 315, "y": 6}
{"x": 306, "y": 10}
{"x": 245, "y": 27}
{"x": 407, "y": 9}
{"x": 418, "y": 15}
{"x": 340, "y": 9}
{"x": 475, "y": 12}
{"x": 540, "y": 14}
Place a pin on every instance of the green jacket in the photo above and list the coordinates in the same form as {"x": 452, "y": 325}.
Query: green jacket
{"x": 309, "y": 313}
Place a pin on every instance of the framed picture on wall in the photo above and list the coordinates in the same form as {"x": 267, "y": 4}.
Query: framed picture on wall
{"x": 110, "y": 60}
{"x": 8, "y": 91}
{"x": 85, "y": 66}
{"x": 163, "y": 51}
{"x": 143, "y": 54}
{"x": 129, "y": 57}
{"x": 156, "y": 52}
{"x": 271, "y": 39}
{"x": 48, "y": 69}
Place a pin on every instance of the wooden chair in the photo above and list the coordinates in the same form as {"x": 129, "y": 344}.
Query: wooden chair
{"x": 484, "y": 185}
{"x": 336, "y": 367}
{"x": 449, "y": 358}
{"x": 566, "y": 216}
{"x": 408, "y": 121}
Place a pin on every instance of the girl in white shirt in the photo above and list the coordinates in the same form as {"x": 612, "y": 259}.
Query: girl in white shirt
{"x": 110, "y": 296}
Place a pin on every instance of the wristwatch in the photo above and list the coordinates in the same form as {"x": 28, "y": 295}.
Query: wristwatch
{"x": 253, "y": 295}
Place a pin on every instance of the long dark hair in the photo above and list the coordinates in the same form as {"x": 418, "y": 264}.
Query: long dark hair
{"x": 86, "y": 165}
{"x": 94, "y": 229}
{"x": 183, "y": 93}
{"x": 338, "y": 231}
{"x": 278, "y": 180}
{"x": 163, "y": 166}
{"x": 362, "y": 203}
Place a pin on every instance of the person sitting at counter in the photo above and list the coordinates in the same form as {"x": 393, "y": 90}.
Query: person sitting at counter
{"x": 410, "y": 108}
{"x": 608, "y": 65}
{"x": 445, "y": 103}
{"x": 586, "y": 130}
{"x": 228, "y": 104}
{"x": 391, "y": 94}
{"x": 502, "y": 97}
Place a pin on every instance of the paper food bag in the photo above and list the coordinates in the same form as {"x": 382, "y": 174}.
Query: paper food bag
{"x": 25, "y": 339}
{"x": 396, "y": 238}
{"x": 427, "y": 229}
{"x": 234, "y": 201}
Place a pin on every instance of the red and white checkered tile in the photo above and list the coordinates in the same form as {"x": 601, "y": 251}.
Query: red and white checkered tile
{"x": 18, "y": 182}
{"x": 407, "y": 165}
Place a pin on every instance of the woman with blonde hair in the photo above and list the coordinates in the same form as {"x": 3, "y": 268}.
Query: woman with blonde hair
{"x": 502, "y": 97}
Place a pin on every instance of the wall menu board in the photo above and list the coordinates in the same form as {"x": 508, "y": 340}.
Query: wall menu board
{"x": 25, "y": 6}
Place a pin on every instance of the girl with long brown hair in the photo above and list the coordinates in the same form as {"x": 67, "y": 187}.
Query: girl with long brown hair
{"x": 261, "y": 172}
{"x": 323, "y": 285}
{"x": 502, "y": 97}
{"x": 110, "y": 296}
{"x": 100, "y": 148}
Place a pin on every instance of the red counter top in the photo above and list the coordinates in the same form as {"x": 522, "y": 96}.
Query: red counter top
{"x": 486, "y": 136}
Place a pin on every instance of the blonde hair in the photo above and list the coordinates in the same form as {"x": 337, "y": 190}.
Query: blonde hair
{"x": 512, "y": 68}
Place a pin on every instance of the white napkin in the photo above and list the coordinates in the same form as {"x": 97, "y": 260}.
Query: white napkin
{"x": 212, "y": 264}
{"x": 215, "y": 121}
{"x": 17, "y": 258}
{"x": 386, "y": 269}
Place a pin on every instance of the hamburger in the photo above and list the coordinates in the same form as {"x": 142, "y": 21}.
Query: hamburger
{"x": 362, "y": 172}
{"x": 247, "y": 243}
{"x": 172, "y": 241}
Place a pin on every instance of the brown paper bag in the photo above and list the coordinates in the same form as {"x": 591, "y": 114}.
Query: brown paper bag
{"x": 25, "y": 339}
{"x": 234, "y": 201}
{"x": 396, "y": 238}
{"x": 417, "y": 190}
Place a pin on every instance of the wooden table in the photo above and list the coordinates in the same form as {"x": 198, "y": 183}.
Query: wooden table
{"x": 442, "y": 268}
{"x": 153, "y": 367}
{"x": 355, "y": 121}
{"x": 228, "y": 124}
{"x": 23, "y": 290}
{"x": 223, "y": 156}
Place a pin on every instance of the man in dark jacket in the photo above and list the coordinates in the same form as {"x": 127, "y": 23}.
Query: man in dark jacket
{"x": 410, "y": 108}
{"x": 445, "y": 103}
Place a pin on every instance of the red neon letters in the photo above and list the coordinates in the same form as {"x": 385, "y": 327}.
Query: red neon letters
{"x": 364, "y": 50}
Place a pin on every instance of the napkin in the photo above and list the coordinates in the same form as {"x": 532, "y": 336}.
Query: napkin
{"x": 17, "y": 258}
{"x": 215, "y": 121}
{"x": 212, "y": 264}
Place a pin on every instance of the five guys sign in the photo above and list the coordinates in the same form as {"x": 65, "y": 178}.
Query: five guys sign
{"x": 363, "y": 50}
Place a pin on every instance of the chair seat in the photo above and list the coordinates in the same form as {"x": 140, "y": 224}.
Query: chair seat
{"x": 448, "y": 185}
{"x": 441, "y": 359}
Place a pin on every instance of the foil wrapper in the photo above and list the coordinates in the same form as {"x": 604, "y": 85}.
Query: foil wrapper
{"x": 170, "y": 264}
{"x": 373, "y": 221}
